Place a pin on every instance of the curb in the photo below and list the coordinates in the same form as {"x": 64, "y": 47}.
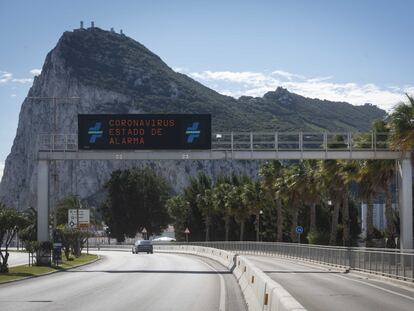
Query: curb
{"x": 51, "y": 272}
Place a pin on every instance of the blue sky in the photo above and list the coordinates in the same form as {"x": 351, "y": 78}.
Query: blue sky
{"x": 357, "y": 51}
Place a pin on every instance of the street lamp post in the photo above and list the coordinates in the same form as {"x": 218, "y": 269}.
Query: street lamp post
{"x": 258, "y": 236}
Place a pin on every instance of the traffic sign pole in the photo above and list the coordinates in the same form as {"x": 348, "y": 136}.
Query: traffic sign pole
{"x": 299, "y": 230}
{"x": 187, "y": 232}
{"x": 144, "y": 232}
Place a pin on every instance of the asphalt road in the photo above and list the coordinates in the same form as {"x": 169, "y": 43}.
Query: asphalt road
{"x": 123, "y": 281}
{"x": 319, "y": 289}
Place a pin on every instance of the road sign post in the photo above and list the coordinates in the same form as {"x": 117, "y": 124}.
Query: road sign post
{"x": 187, "y": 232}
{"x": 144, "y": 232}
{"x": 78, "y": 218}
{"x": 299, "y": 231}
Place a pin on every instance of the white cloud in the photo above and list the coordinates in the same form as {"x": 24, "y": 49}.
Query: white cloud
{"x": 1, "y": 169}
{"x": 287, "y": 75}
{"x": 13, "y": 95}
{"x": 238, "y": 83}
{"x": 22, "y": 80}
{"x": 6, "y": 77}
{"x": 36, "y": 72}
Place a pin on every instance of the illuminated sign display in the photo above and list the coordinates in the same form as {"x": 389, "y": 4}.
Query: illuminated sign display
{"x": 144, "y": 131}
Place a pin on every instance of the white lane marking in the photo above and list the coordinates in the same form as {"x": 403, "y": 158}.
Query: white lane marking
{"x": 375, "y": 286}
{"x": 222, "y": 304}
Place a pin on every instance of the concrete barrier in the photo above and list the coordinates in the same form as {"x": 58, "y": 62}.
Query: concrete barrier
{"x": 259, "y": 290}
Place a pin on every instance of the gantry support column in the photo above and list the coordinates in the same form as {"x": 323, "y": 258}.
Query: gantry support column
{"x": 406, "y": 203}
{"x": 43, "y": 257}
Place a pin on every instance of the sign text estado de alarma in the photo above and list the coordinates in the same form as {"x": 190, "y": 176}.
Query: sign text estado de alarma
{"x": 144, "y": 131}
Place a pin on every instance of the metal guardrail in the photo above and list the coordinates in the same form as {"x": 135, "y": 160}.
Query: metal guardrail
{"x": 390, "y": 263}
{"x": 259, "y": 141}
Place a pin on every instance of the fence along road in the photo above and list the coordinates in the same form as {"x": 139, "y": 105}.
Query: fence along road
{"x": 391, "y": 263}
{"x": 242, "y": 146}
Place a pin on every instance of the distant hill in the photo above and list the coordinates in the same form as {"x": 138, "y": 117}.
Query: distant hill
{"x": 112, "y": 73}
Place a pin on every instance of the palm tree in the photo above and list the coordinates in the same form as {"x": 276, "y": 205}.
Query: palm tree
{"x": 295, "y": 186}
{"x": 205, "y": 204}
{"x": 222, "y": 203}
{"x": 402, "y": 125}
{"x": 367, "y": 191}
{"x": 312, "y": 194}
{"x": 385, "y": 174}
{"x": 194, "y": 195}
{"x": 349, "y": 170}
{"x": 270, "y": 172}
{"x": 239, "y": 209}
{"x": 334, "y": 184}
{"x": 253, "y": 198}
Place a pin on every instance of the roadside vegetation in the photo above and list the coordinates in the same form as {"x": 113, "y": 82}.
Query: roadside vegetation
{"x": 20, "y": 272}
{"x": 135, "y": 200}
{"x": 322, "y": 196}
{"x": 24, "y": 223}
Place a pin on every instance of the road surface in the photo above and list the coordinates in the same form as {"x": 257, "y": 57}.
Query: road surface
{"x": 319, "y": 289}
{"x": 123, "y": 281}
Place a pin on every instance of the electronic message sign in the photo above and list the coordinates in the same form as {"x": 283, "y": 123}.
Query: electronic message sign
{"x": 144, "y": 131}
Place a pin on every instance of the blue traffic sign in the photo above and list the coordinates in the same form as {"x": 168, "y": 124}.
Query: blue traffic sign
{"x": 299, "y": 229}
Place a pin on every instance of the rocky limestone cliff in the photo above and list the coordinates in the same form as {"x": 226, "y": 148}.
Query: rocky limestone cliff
{"x": 111, "y": 73}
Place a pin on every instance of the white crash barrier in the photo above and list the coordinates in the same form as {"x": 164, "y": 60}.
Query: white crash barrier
{"x": 224, "y": 257}
{"x": 259, "y": 290}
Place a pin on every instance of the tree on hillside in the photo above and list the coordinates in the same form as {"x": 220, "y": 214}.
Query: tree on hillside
{"x": 11, "y": 221}
{"x": 135, "y": 200}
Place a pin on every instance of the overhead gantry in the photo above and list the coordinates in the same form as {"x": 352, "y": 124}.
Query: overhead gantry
{"x": 242, "y": 146}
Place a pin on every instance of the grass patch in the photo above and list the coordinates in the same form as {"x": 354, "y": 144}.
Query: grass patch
{"x": 20, "y": 272}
